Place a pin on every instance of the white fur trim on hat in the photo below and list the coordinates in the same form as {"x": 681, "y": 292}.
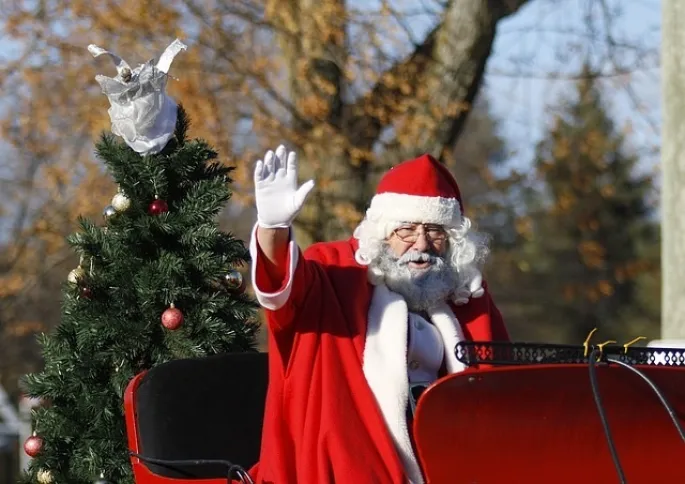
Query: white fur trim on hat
{"x": 400, "y": 207}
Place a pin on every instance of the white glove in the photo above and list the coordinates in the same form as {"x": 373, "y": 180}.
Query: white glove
{"x": 277, "y": 197}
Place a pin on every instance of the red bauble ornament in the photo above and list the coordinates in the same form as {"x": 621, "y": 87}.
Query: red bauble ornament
{"x": 86, "y": 292}
{"x": 158, "y": 207}
{"x": 33, "y": 445}
{"x": 172, "y": 318}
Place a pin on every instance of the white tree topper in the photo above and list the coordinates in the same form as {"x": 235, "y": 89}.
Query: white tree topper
{"x": 140, "y": 110}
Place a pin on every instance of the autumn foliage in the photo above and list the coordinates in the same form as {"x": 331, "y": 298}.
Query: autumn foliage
{"x": 350, "y": 86}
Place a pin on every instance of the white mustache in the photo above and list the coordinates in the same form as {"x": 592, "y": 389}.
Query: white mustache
{"x": 414, "y": 256}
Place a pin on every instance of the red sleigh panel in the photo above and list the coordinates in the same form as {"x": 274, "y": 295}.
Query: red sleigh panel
{"x": 540, "y": 423}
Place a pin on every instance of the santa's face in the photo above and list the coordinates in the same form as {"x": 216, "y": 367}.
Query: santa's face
{"x": 414, "y": 265}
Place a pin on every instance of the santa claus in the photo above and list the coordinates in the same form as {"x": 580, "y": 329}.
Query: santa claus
{"x": 354, "y": 324}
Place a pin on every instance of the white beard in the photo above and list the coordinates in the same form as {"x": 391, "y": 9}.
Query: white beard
{"x": 422, "y": 289}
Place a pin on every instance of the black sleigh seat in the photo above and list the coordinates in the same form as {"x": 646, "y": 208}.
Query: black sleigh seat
{"x": 209, "y": 408}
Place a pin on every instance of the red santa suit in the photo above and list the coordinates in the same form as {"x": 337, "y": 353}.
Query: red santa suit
{"x": 338, "y": 346}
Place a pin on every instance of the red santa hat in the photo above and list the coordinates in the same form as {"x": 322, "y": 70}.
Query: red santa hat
{"x": 421, "y": 190}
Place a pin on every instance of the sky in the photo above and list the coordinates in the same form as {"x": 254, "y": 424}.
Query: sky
{"x": 529, "y": 46}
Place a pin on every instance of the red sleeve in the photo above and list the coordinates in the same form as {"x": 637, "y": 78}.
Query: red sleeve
{"x": 283, "y": 300}
{"x": 265, "y": 280}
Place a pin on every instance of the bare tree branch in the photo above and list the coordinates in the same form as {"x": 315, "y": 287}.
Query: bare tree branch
{"x": 451, "y": 61}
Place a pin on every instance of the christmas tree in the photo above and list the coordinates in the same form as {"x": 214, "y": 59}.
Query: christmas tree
{"x": 157, "y": 281}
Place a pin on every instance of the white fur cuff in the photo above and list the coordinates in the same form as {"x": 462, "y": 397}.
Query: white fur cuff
{"x": 273, "y": 300}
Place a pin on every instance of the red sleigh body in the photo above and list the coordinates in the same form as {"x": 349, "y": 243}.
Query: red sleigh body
{"x": 531, "y": 417}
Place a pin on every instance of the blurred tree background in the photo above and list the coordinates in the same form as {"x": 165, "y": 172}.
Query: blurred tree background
{"x": 354, "y": 87}
{"x": 589, "y": 238}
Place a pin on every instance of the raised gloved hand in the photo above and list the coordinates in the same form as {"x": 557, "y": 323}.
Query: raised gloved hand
{"x": 278, "y": 198}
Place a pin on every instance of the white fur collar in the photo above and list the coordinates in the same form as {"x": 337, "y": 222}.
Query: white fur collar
{"x": 385, "y": 364}
{"x": 443, "y": 318}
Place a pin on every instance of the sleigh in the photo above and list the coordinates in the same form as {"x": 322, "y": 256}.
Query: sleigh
{"x": 518, "y": 413}
{"x": 197, "y": 421}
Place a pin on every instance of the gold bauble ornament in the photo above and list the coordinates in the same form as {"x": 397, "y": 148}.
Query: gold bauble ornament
{"x": 102, "y": 479}
{"x": 76, "y": 275}
{"x": 120, "y": 202}
{"x": 44, "y": 476}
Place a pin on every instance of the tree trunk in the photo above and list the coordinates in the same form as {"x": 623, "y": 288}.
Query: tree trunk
{"x": 426, "y": 97}
{"x": 673, "y": 169}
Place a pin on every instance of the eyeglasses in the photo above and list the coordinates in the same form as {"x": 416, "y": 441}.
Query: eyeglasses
{"x": 410, "y": 233}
